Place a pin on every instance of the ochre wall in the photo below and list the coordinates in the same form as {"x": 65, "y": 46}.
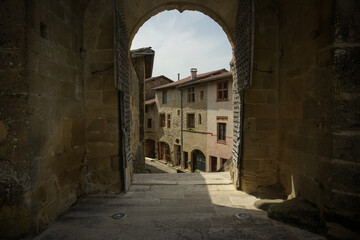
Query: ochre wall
{"x": 101, "y": 99}
{"x": 306, "y": 78}
{"x": 44, "y": 161}
{"x": 261, "y": 106}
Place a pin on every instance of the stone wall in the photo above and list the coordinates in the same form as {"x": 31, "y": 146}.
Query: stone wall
{"x": 47, "y": 154}
{"x": 101, "y": 99}
{"x": 137, "y": 106}
{"x": 195, "y": 139}
{"x": 15, "y": 167}
{"x": 153, "y": 82}
{"x": 55, "y": 77}
{"x": 305, "y": 98}
{"x": 165, "y": 134}
{"x": 260, "y": 129}
{"x": 343, "y": 198}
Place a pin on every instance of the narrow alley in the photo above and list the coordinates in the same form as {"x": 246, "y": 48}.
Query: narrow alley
{"x": 172, "y": 206}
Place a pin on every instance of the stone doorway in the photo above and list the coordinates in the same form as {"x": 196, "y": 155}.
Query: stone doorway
{"x": 199, "y": 161}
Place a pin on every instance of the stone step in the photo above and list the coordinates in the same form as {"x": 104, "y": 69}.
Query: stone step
{"x": 222, "y": 178}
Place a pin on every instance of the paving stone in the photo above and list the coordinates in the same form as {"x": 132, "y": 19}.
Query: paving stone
{"x": 177, "y": 211}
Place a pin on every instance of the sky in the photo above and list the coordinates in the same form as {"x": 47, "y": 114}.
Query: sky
{"x": 182, "y": 41}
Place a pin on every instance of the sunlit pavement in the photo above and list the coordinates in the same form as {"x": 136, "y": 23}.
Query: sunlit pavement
{"x": 172, "y": 206}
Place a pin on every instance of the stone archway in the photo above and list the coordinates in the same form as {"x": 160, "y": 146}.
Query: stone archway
{"x": 239, "y": 28}
{"x": 198, "y": 160}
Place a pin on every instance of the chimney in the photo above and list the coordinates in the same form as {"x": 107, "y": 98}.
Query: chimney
{"x": 178, "y": 76}
{"x": 193, "y": 73}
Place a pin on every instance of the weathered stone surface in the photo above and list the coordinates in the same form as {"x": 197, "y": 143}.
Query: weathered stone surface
{"x": 299, "y": 212}
{"x": 159, "y": 211}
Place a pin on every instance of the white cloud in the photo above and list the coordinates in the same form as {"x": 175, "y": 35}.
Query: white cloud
{"x": 182, "y": 41}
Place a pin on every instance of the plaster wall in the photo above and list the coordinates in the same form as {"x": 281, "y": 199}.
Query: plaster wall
{"x": 219, "y": 109}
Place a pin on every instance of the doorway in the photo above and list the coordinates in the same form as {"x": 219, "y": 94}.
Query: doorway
{"x": 213, "y": 163}
{"x": 199, "y": 161}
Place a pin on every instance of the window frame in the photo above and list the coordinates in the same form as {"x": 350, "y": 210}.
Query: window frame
{"x": 164, "y": 97}
{"x": 191, "y": 94}
{"x": 188, "y": 121}
{"x": 219, "y": 134}
{"x": 162, "y": 119}
{"x": 220, "y": 88}
{"x": 168, "y": 121}
{"x": 149, "y": 125}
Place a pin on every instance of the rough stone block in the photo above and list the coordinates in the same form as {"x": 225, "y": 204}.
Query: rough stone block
{"x": 67, "y": 89}
{"x": 108, "y": 83}
{"x": 290, "y": 111}
{"x": 248, "y": 110}
{"x": 3, "y": 132}
{"x": 266, "y": 111}
{"x": 271, "y": 97}
{"x": 346, "y": 147}
{"x": 95, "y": 125}
{"x": 110, "y": 97}
{"x": 262, "y": 138}
{"x": 266, "y": 124}
{"x": 346, "y": 112}
{"x": 73, "y": 109}
{"x": 346, "y": 177}
{"x": 299, "y": 212}
{"x": 77, "y": 132}
{"x": 102, "y": 149}
{"x": 255, "y": 96}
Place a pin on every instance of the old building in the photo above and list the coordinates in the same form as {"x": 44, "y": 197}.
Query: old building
{"x": 195, "y": 116}
{"x": 151, "y": 114}
{"x": 65, "y": 127}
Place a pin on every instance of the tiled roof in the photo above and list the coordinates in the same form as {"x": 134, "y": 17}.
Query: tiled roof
{"x": 204, "y": 77}
{"x": 150, "y": 101}
{"x": 161, "y": 76}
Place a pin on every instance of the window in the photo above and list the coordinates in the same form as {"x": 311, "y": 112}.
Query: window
{"x": 191, "y": 120}
{"x": 164, "y": 97}
{"x": 191, "y": 94}
{"x": 221, "y": 132}
{"x": 201, "y": 95}
{"x": 162, "y": 120}
{"x": 178, "y": 112}
{"x": 146, "y": 108}
{"x": 199, "y": 118}
{"x": 168, "y": 120}
{"x": 149, "y": 125}
{"x": 222, "y": 91}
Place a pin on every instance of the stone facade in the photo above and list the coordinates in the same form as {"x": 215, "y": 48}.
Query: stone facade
{"x": 153, "y": 82}
{"x": 197, "y": 98}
